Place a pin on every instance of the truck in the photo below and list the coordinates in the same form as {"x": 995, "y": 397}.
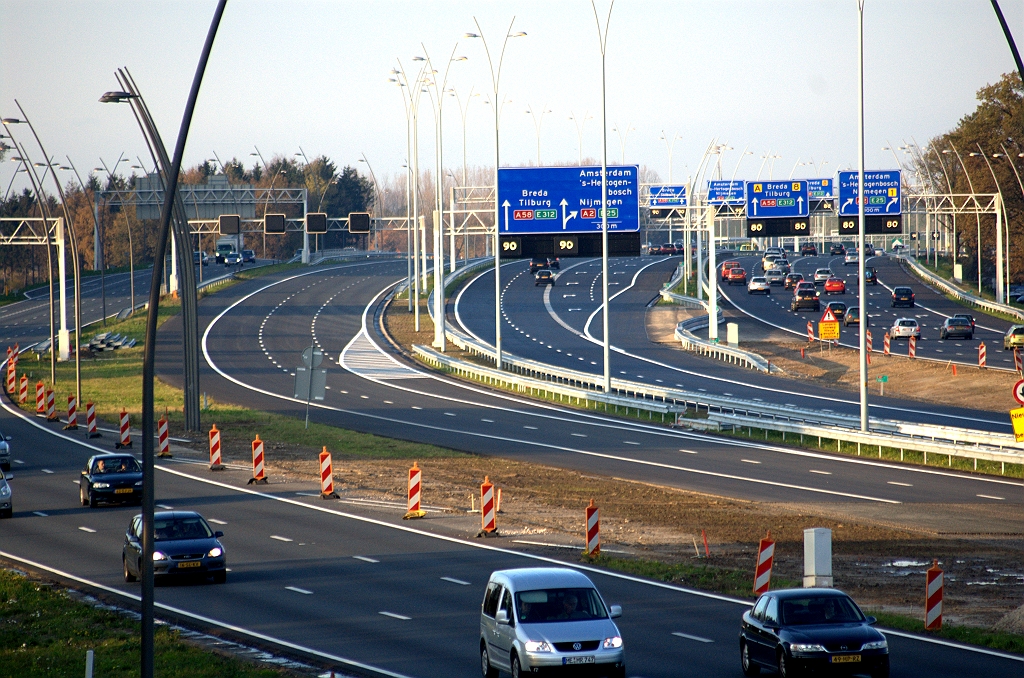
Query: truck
{"x": 226, "y": 245}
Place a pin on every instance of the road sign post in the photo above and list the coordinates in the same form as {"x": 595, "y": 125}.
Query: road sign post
{"x": 310, "y": 380}
{"x": 828, "y": 326}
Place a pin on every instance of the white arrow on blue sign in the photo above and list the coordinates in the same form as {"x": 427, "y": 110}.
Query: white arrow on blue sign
{"x": 776, "y": 199}
{"x": 881, "y": 190}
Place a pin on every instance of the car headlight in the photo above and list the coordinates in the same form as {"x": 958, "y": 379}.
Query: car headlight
{"x": 215, "y": 551}
{"x": 612, "y": 643}
{"x": 876, "y": 645}
{"x": 138, "y": 483}
{"x": 806, "y": 647}
{"x": 537, "y": 646}
{"x": 5, "y": 491}
{"x": 157, "y": 555}
{"x": 100, "y": 486}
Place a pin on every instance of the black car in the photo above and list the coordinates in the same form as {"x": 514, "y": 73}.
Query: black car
{"x": 184, "y": 545}
{"x": 956, "y": 327}
{"x": 808, "y": 250}
{"x": 248, "y": 257}
{"x": 800, "y": 631}
{"x": 837, "y": 250}
{"x": 870, "y": 276}
{"x": 110, "y": 478}
{"x": 966, "y": 316}
{"x": 805, "y": 299}
{"x": 553, "y": 262}
{"x": 544, "y": 277}
{"x": 538, "y": 263}
{"x": 852, "y": 317}
{"x": 838, "y": 309}
{"x": 902, "y": 296}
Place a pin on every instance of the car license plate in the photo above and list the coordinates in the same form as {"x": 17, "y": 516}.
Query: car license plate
{"x": 196, "y": 563}
{"x": 123, "y": 490}
{"x": 589, "y": 659}
{"x": 845, "y": 658}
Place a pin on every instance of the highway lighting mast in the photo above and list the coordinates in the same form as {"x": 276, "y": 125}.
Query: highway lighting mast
{"x": 603, "y": 41}
{"x": 861, "y": 286}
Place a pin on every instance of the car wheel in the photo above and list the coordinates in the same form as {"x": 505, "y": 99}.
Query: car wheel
{"x": 8, "y": 513}
{"x": 220, "y": 577}
{"x": 92, "y": 501}
{"x": 486, "y": 669}
{"x": 785, "y": 670}
{"x": 746, "y": 663}
{"x": 128, "y": 576}
{"x": 517, "y": 670}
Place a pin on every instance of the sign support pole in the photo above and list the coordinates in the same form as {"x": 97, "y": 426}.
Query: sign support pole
{"x": 861, "y": 287}
{"x": 712, "y": 275}
{"x": 603, "y": 37}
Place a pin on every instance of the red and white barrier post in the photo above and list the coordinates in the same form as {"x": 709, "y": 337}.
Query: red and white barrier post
{"x": 868, "y": 342}
{"x": 51, "y": 412}
{"x": 163, "y": 440}
{"x": 487, "y": 509}
{"x": 912, "y": 349}
{"x": 258, "y": 473}
{"x": 763, "y": 570}
{"x": 327, "y": 476}
{"x": 40, "y": 398}
{"x": 215, "y": 464}
{"x": 933, "y": 598}
{"x": 125, "y": 437}
{"x": 12, "y": 378}
{"x": 593, "y": 530}
{"x": 91, "y": 430}
{"x": 886, "y": 340}
{"x": 1017, "y": 365}
{"x": 982, "y": 356}
{"x": 810, "y": 332}
{"x": 415, "y": 489}
{"x": 72, "y": 424}
{"x": 23, "y": 390}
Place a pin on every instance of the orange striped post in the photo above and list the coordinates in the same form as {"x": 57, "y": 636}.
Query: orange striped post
{"x": 258, "y": 474}
{"x": 23, "y": 390}
{"x": 982, "y": 357}
{"x": 40, "y": 398}
{"x": 90, "y": 421}
{"x": 327, "y": 476}
{"x": 885, "y": 343}
{"x": 593, "y": 530}
{"x": 163, "y": 440}
{"x": 933, "y": 598}
{"x": 12, "y": 378}
{"x": 124, "y": 430}
{"x": 215, "y": 464}
{"x": 810, "y": 332}
{"x": 72, "y": 424}
{"x": 487, "y": 512}
{"x": 415, "y": 487}
{"x": 51, "y": 413}
{"x": 1018, "y": 365}
{"x": 912, "y": 349}
{"x": 867, "y": 337}
{"x": 763, "y": 570}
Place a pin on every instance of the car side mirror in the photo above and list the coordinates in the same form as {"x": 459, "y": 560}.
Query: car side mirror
{"x": 871, "y": 620}
{"x": 218, "y": 534}
{"x": 8, "y": 438}
{"x": 615, "y": 611}
{"x": 501, "y": 617}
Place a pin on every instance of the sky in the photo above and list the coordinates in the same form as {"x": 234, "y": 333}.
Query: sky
{"x": 772, "y": 78}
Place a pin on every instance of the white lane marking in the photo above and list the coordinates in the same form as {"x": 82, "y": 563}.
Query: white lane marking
{"x": 449, "y": 414}
{"x": 165, "y": 507}
{"x": 689, "y": 451}
{"x": 630, "y": 442}
{"x": 689, "y": 637}
{"x": 75, "y": 482}
{"x": 298, "y": 590}
{"x": 416, "y": 407}
{"x": 893, "y": 482}
{"x": 41, "y": 514}
{"x": 87, "y": 529}
{"x": 395, "y": 616}
{"x": 992, "y": 496}
{"x": 750, "y": 461}
{"x": 532, "y": 428}
{"x": 18, "y": 461}
{"x": 489, "y": 421}
{"x": 823, "y": 473}
{"x": 580, "y": 435}
{"x": 215, "y": 521}
{"x": 46, "y": 470}
{"x": 274, "y": 536}
{"x": 455, "y": 581}
{"x": 365, "y": 559}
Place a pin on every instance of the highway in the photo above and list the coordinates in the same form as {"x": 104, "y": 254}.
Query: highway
{"x": 253, "y": 335}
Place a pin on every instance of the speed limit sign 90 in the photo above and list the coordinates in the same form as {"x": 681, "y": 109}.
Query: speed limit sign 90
{"x": 1018, "y": 391}
{"x": 510, "y": 246}
{"x": 565, "y": 244}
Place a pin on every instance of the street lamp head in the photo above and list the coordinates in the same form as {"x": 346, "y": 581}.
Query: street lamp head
{"x": 460, "y": 58}
{"x": 12, "y": 121}
{"x": 470, "y": 35}
{"x": 946, "y": 151}
{"x": 520, "y": 34}
{"x": 64, "y": 168}
{"x": 116, "y": 97}
{"x": 418, "y": 58}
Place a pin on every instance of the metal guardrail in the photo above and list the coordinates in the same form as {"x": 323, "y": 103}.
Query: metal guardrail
{"x": 958, "y": 293}
{"x": 724, "y": 352}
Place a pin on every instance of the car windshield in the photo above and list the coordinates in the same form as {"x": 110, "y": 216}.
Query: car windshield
{"x": 908, "y": 323}
{"x": 559, "y": 605}
{"x": 116, "y": 465}
{"x": 1016, "y": 331}
{"x": 757, "y": 280}
{"x": 192, "y": 527}
{"x": 902, "y": 290}
{"x": 819, "y": 610}
{"x": 957, "y": 321}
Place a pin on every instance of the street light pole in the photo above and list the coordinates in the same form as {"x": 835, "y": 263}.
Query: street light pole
{"x": 537, "y": 122}
{"x": 861, "y": 285}
{"x": 602, "y": 37}
{"x": 379, "y": 196}
{"x": 973, "y": 195}
{"x": 580, "y": 124}
{"x": 1020, "y": 183}
{"x": 128, "y": 227}
{"x": 623, "y": 136}
{"x": 1000, "y": 298}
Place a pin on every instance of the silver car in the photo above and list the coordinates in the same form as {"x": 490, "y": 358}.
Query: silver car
{"x": 904, "y": 328}
{"x": 775, "y": 276}
{"x": 538, "y": 619}
{"x": 821, "y": 275}
{"x": 6, "y": 502}
{"x": 5, "y": 452}
{"x": 758, "y": 284}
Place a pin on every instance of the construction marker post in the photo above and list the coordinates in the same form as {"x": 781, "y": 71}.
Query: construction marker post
{"x": 215, "y": 464}
{"x": 763, "y": 570}
{"x": 1018, "y": 367}
{"x": 933, "y": 598}
{"x": 912, "y": 349}
{"x": 593, "y": 530}
{"x": 72, "y": 424}
{"x": 415, "y": 488}
{"x": 23, "y": 390}
{"x": 810, "y": 332}
{"x": 487, "y": 512}
{"x": 259, "y": 476}
{"x": 91, "y": 431}
{"x": 163, "y": 441}
{"x": 886, "y": 340}
{"x": 327, "y": 476}
{"x": 11, "y": 378}
{"x": 125, "y": 435}
{"x": 40, "y": 398}
{"x": 51, "y": 413}
{"x": 982, "y": 357}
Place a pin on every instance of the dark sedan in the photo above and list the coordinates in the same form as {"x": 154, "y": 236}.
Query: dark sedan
{"x": 544, "y": 277}
{"x": 184, "y": 545}
{"x": 956, "y": 327}
{"x": 799, "y": 631}
{"x": 110, "y": 478}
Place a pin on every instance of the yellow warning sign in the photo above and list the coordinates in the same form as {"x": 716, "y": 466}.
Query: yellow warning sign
{"x": 1017, "y": 419}
{"x": 828, "y": 329}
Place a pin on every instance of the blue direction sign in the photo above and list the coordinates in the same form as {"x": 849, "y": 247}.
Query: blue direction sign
{"x": 820, "y": 189}
{"x": 881, "y": 191}
{"x": 725, "y": 192}
{"x": 667, "y": 196}
{"x": 567, "y": 199}
{"x": 776, "y": 199}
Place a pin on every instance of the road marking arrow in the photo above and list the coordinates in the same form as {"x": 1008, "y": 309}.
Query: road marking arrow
{"x": 565, "y": 219}
{"x": 506, "y": 206}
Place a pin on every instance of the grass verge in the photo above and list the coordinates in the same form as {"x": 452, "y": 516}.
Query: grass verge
{"x": 45, "y": 632}
{"x": 969, "y": 635}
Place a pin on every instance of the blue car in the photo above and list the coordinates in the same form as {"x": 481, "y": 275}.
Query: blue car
{"x": 184, "y": 546}
{"x": 110, "y": 479}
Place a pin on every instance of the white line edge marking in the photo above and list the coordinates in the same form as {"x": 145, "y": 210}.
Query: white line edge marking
{"x": 365, "y": 559}
{"x": 87, "y": 529}
{"x": 395, "y": 616}
{"x": 215, "y": 521}
{"x": 991, "y": 496}
{"x": 453, "y": 580}
{"x": 279, "y": 538}
{"x": 689, "y": 637}
{"x": 298, "y": 590}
